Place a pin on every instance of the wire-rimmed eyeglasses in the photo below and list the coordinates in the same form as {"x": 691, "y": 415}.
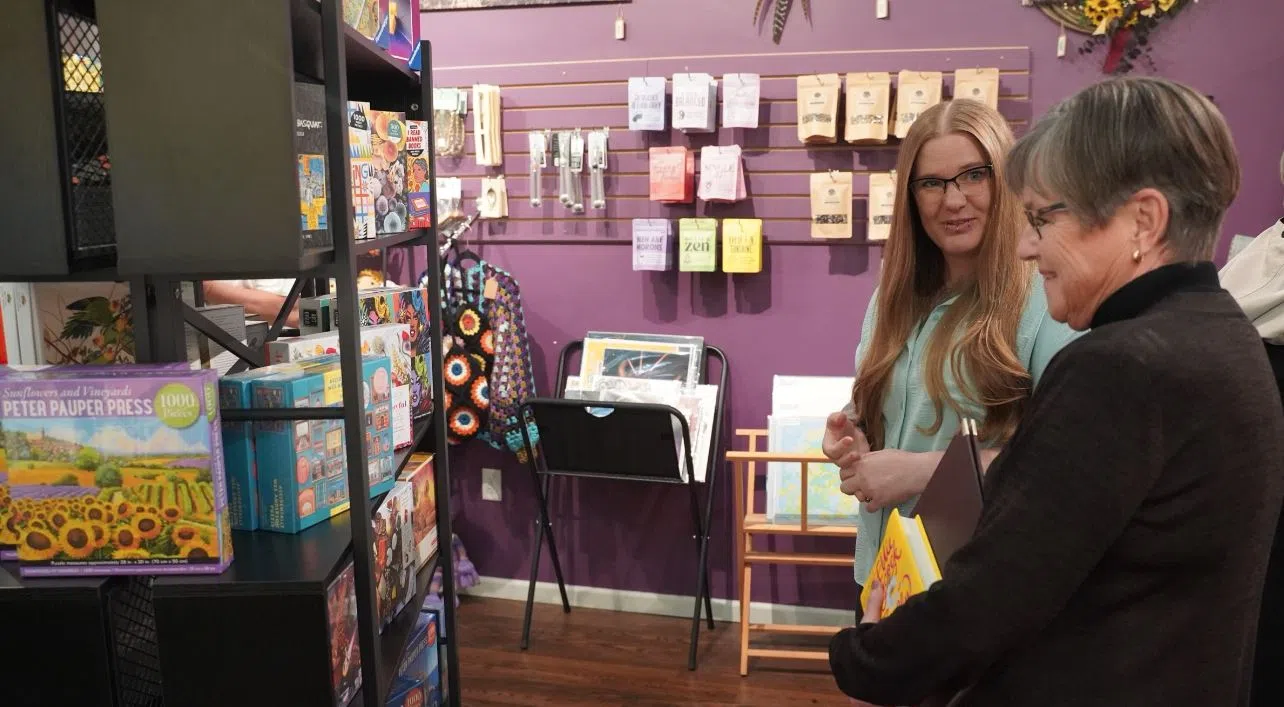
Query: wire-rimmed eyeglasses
{"x": 1038, "y": 217}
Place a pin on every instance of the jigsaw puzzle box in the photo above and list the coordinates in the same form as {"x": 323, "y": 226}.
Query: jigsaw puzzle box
{"x": 113, "y": 471}
{"x": 302, "y": 464}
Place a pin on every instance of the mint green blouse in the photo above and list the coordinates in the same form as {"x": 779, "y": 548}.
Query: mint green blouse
{"x": 908, "y": 408}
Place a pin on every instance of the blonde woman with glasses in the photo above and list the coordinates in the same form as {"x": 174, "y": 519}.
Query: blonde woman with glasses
{"x": 1121, "y": 551}
{"x": 958, "y": 326}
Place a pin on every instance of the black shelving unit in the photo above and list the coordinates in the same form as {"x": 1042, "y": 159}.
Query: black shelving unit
{"x": 200, "y": 119}
{"x": 56, "y": 186}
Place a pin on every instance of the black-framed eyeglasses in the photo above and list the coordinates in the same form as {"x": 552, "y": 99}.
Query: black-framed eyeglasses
{"x": 1038, "y": 218}
{"x": 969, "y": 181}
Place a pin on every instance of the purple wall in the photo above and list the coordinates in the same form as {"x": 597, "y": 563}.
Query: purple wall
{"x": 802, "y": 314}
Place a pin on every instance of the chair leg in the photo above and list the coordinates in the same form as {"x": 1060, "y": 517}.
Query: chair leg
{"x": 746, "y": 574}
{"x": 542, "y": 490}
{"x": 530, "y": 590}
{"x": 702, "y": 577}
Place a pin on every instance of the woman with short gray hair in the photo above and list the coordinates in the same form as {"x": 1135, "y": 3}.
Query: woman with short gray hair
{"x": 1121, "y": 551}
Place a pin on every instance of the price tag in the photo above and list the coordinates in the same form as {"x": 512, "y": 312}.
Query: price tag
{"x": 577, "y": 152}
{"x": 1061, "y": 42}
{"x": 880, "y": 9}
{"x": 619, "y": 27}
{"x": 490, "y": 289}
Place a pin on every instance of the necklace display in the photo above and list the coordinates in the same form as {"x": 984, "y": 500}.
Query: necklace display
{"x": 450, "y": 106}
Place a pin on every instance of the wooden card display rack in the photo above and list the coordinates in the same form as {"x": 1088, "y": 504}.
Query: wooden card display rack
{"x": 749, "y": 523}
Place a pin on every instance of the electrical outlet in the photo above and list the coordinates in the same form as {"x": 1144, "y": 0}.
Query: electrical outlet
{"x": 492, "y": 486}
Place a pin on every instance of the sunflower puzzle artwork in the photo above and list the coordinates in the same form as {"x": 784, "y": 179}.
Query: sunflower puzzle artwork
{"x": 112, "y": 472}
{"x": 1124, "y": 27}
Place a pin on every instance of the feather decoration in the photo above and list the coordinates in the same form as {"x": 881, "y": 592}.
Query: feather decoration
{"x": 757, "y": 12}
{"x": 807, "y": 10}
{"x": 778, "y": 21}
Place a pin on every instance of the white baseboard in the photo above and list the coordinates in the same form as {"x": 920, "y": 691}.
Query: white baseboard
{"x": 659, "y": 604}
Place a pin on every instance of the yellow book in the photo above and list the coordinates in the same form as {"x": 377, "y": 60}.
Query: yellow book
{"x": 742, "y": 245}
{"x": 905, "y": 563}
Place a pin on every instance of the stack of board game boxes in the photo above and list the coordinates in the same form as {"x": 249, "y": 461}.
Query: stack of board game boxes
{"x": 290, "y": 475}
{"x": 377, "y": 309}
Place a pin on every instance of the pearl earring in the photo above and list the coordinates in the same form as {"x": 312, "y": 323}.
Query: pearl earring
{"x": 1136, "y": 256}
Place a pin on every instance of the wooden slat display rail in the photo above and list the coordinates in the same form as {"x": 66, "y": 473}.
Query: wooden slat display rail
{"x": 748, "y": 524}
{"x": 594, "y": 94}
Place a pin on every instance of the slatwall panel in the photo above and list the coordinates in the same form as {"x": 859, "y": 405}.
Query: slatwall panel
{"x": 590, "y": 95}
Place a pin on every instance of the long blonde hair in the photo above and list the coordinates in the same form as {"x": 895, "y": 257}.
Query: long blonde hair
{"x": 977, "y": 334}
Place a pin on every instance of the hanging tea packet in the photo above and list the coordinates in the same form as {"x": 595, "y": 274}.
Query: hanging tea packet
{"x": 916, "y": 91}
{"x": 742, "y": 245}
{"x": 652, "y": 244}
{"x": 979, "y": 85}
{"x": 831, "y": 204}
{"x": 818, "y": 108}
{"x": 646, "y": 102}
{"x": 698, "y": 245}
{"x": 868, "y": 101}
{"x": 882, "y": 204}
{"x": 741, "y": 94}
{"x": 672, "y": 174}
{"x": 695, "y": 101}
{"x": 722, "y": 175}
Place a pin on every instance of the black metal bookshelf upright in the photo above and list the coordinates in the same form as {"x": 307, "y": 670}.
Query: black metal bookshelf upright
{"x": 198, "y": 102}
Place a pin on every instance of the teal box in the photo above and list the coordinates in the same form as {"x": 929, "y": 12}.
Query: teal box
{"x": 238, "y": 464}
{"x": 238, "y": 445}
{"x": 302, "y": 464}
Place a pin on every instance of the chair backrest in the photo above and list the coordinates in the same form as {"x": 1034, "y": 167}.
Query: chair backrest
{"x": 615, "y": 440}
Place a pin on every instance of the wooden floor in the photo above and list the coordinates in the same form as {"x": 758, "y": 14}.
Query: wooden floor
{"x": 607, "y": 658}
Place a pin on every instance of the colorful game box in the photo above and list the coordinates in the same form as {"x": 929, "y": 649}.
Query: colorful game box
{"x": 395, "y": 554}
{"x": 388, "y": 142}
{"x": 238, "y": 444}
{"x": 391, "y": 340}
{"x": 113, "y": 470}
{"x": 365, "y": 187}
{"x": 373, "y": 307}
{"x": 364, "y": 184}
{"x": 410, "y": 306}
{"x": 302, "y": 464}
{"x": 419, "y": 474}
{"x": 314, "y": 314}
{"x": 443, "y": 655}
{"x": 240, "y": 463}
{"x": 345, "y": 651}
{"x": 310, "y": 148}
{"x": 418, "y": 188}
{"x": 398, "y": 27}
{"x": 418, "y": 676}
{"x": 8, "y": 532}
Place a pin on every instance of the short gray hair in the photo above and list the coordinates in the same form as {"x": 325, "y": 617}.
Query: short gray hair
{"x": 1097, "y": 148}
